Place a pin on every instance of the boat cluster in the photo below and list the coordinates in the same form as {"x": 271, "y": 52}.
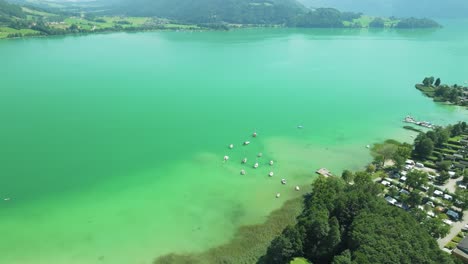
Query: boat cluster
{"x": 256, "y": 164}
{"x": 412, "y": 120}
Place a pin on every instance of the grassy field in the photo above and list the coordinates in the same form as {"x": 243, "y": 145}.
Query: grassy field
{"x": 299, "y": 261}
{"x": 427, "y": 90}
{"x": 102, "y": 23}
{"x": 37, "y": 12}
{"x": 5, "y": 31}
{"x": 364, "y": 21}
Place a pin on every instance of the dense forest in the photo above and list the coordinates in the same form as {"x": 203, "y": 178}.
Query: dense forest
{"x": 417, "y": 23}
{"x": 211, "y": 11}
{"x": 344, "y": 223}
{"x": 323, "y": 18}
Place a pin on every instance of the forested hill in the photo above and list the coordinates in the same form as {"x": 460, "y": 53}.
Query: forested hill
{"x": 211, "y": 11}
{"x": 10, "y": 12}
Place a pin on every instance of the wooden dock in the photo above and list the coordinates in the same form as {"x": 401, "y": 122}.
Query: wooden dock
{"x": 324, "y": 172}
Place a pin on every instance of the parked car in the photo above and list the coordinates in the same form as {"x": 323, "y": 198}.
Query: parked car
{"x": 425, "y": 188}
{"x": 419, "y": 165}
{"x": 465, "y": 228}
{"x": 462, "y": 186}
{"x": 448, "y": 222}
{"x": 438, "y": 193}
{"x": 448, "y": 197}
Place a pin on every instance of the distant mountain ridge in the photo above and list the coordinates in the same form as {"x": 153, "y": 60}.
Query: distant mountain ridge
{"x": 400, "y": 8}
{"x": 209, "y": 11}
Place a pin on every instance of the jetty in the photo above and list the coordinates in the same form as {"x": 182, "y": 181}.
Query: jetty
{"x": 324, "y": 172}
{"x": 412, "y": 120}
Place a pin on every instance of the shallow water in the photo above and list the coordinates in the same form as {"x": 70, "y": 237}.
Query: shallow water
{"x": 112, "y": 145}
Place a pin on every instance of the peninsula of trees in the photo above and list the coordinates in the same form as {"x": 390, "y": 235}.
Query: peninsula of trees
{"x": 434, "y": 88}
{"x": 140, "y": 15}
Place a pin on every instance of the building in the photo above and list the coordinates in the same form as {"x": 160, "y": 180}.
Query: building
{"x": 461, "y": 251}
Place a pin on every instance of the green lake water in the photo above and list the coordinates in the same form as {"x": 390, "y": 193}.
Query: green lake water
{"x": 112, "y": 145}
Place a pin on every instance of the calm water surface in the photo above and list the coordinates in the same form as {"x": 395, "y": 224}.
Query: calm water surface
{"x": 111, "y": 146}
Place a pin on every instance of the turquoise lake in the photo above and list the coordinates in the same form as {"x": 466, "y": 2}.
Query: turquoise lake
{"x": 112, "y": 145}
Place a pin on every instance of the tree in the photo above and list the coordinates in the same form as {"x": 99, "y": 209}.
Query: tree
{"x": 465, "y": 177}
{"x": 377, "y": 23}
{"x": 286, "y": 246}
{"x": 462, "y": 196}
{"x": 370, "y": 168}
{"x": 457, "y": 130}
{"x": 443, "y": 135}
{"x": 384, "y": 151}
{"x": 435, "y": 227}
{"x": 444, "y": 176}
{"x": 415, "y": 179}
{"x": 414, "y": 199}
{"x": 463, "y": 126}
{"x": 424, "y": 147}
{"x": 347, "y": 176}
{"x": 437, "y": 82}
{"x": 426, "y": 81}
{"x": 444, "y": 165}
{"x": 343, "y": 258}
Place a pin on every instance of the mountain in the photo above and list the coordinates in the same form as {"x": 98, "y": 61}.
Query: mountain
{"x": 400, "y": 8}
{"x": 210, "y": 11}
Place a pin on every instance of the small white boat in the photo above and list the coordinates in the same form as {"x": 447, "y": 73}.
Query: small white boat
{"x": 271, "y": 174}
{"x": 6, "y": 199}
{"x": 283, "y": 181}
{"x": 368, "y": 146}
{"x": 255, "y": 165}
{"x": 226, "y": 158}
{"x": 246, "y": 143}
{"x": 278, "y": 195}
{"x": 297, "y": 188}
{"x": 242, "y": 172}
{"x": 300, "y": 127}
{"x": 271, "y": 163}
{"x": 259, "y": 154}
{"x": 244, "y": 160}
{"x": 254, "y": 134}
{"x": 231, "y": 146}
